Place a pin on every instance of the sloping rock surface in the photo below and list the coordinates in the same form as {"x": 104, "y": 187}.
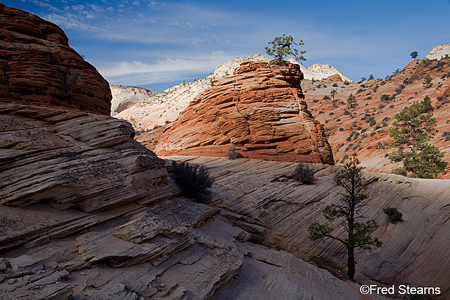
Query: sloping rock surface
{"x": 74, "y": 159}
{"x": 265, "y": 200}
{"x": 260, "y": 111}
{"x": 38, "y": 67}
{"x": 349, "y": 129}
{"x": 88, "y": 213}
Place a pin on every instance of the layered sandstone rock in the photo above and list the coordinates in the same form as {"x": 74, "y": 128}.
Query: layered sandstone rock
{"x": 262, "y": 197}
{"x": 260, "y": 112}
{"x": 38, "y": 67}
{"x": 88, "y": 213}
{"x": 164, "y": 107}
{"x": 74, "y": 159}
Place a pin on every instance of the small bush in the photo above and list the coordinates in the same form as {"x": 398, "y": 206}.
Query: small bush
{"x": 393, "y": 214}
{"x": 372, "y": 121}
{"x": 193, "y": 180}
{"x": 400, "y": 88}
{"x": 245, "y": 115}
{"x": 69, "y": 83}
{"x": 233, "y": 154}
{"x": 303, "y": 174}
{"x": 385, "y": 97}
{"x": 344, "y": 158}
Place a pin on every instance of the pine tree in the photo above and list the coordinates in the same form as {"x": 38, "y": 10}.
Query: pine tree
{"x": 351, "y": 101}
{"x": 282, "y": 46}
{"x": 349, "y": 208}
{"x": 413, "y": 128}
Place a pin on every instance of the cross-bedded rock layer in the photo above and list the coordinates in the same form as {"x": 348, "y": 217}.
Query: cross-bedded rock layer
{"x": 38, "y": 67}
{"x": 260, "y": 111}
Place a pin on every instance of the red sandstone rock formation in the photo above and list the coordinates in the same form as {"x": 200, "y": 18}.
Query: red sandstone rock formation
{"x": 260, "y": 111}
{"x": 38, "y": 67}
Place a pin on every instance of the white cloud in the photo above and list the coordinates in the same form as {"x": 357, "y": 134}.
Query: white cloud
{"x": 69, "y": 21}
{"x": 171, "y": 69}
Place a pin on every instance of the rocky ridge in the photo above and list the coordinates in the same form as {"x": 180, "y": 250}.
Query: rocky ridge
{"x": 260, "y": 112}
{"x": 162, "y": 108}
{"x": 38, "y": 67}
{"x": 439, "y": 52}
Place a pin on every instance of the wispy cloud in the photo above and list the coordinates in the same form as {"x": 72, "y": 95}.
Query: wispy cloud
{"x": 70, "y": 21}
{"x": 172, "y": 69}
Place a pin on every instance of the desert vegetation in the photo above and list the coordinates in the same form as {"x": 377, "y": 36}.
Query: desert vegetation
{"x": 303, "y": 173}
{"x": 352, "y": 200}
{"x": 283, "y": 46}
{"x": 193, "y": 180}
{"x": 413, "y": 128}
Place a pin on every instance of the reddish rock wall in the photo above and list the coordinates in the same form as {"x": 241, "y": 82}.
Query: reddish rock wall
{"x": 38, "y": 67}
{"x": 260, "y": 111}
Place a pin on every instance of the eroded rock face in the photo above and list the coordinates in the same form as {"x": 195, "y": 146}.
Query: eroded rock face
{"x": 263, "y": 198}
{"x": 38, "y": 67}
{"x": 260, "y": 111}
{"x": 74, "y": 159}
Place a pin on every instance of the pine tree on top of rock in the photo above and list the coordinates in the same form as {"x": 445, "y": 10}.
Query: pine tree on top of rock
{"x": 283, "y": 46}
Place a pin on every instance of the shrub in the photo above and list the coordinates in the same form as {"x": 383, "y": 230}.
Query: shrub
{"x": 245, "y": 115}
{"x": 393, "y": 214}
{"x": 233, "y": 154}
{"x": 400, "y": 88}
{"x": 372, "y": 121}
{"x": 303, "y": 174}
{"x": 70, "y": 83}
{"x": 193, "y": 180}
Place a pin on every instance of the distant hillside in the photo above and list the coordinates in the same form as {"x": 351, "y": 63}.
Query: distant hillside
{"x": 349, "y": 129}
{"x": 162, "y": 108}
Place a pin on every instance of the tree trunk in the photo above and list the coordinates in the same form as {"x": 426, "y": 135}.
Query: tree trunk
{"x": 351, "y": 263}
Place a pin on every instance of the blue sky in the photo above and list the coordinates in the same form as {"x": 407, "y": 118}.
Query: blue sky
{"x": 158, "y": 44}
